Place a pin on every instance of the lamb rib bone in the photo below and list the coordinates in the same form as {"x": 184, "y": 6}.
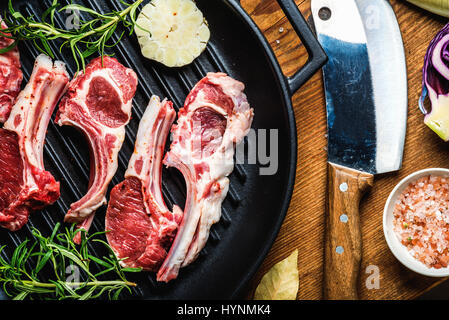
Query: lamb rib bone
{"x": 25, "y": 186}
{"x": 98, "y": 103}
{"x": 139, "y": 224}
{"x": 215, "y": 117}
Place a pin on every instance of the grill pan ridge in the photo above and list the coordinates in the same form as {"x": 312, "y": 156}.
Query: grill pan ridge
{"x": 255, "y": 205}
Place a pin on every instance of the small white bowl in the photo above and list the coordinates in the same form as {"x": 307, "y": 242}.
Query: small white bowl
{"x": 396, "y": 247}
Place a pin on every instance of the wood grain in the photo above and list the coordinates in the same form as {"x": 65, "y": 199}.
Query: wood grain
{"x": 343, "y": 239}
{"x": 304, "y": 225}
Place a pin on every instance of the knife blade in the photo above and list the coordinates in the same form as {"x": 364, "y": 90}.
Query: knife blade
{"x": 365, "y": 85}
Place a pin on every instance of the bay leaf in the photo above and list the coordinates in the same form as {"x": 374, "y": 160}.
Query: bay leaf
{"x": 281, "y": 282}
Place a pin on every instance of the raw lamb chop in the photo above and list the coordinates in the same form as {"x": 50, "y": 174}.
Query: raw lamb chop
{"x": 25, "y": 186}
{"x": 98, "y": 103}
{"x": 215, "y": 117}
{"x": 10, "y": 75}
{"x": 140, "y": 226}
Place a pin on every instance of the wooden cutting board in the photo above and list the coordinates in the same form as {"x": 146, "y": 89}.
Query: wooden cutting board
{"x": 303, "y": 227}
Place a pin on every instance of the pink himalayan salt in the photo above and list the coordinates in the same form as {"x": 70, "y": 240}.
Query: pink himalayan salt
{"x": 421, "y": 220}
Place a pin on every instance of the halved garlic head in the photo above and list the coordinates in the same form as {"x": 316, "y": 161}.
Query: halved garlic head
{"x": 173, "y": 32}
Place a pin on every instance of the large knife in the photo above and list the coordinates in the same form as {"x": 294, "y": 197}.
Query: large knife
{"x": 366, "y": 99}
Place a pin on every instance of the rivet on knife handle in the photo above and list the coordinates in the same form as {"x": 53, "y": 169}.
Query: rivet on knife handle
{"x": 343, "y": 243}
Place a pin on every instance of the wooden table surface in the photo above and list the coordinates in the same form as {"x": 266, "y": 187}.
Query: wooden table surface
{"x": 303, "y": 227}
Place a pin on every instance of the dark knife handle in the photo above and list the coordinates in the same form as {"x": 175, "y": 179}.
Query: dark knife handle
{"x": 343, "y": 241}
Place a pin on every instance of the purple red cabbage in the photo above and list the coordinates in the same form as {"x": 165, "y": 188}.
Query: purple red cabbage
{"x": 436, "y": 69}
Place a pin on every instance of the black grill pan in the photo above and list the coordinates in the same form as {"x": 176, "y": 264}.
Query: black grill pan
{"x": 255, "y": 205}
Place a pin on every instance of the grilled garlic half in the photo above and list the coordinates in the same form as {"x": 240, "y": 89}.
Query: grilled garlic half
{"x": 173, "y": 32}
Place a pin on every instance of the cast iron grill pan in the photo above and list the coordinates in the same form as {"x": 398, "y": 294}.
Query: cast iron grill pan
{"x": 255, "y": 205}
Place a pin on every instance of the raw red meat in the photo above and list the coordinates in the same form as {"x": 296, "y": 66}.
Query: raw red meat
{"x": 10, "y": 75}
{"x": 215, "y": 117}
{"x": 98, "y": 103}
{"x": 140, "y": 226}
{"x": 25, "y": 186}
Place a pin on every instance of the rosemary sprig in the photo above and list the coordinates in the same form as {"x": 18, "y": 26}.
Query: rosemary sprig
{"x": 89, "y": 37}
{"x": 24, "y": 277}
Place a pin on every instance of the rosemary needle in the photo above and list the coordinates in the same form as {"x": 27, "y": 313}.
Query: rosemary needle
{"x": 42, "y": 269}
{"x": 88, "y": 38}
